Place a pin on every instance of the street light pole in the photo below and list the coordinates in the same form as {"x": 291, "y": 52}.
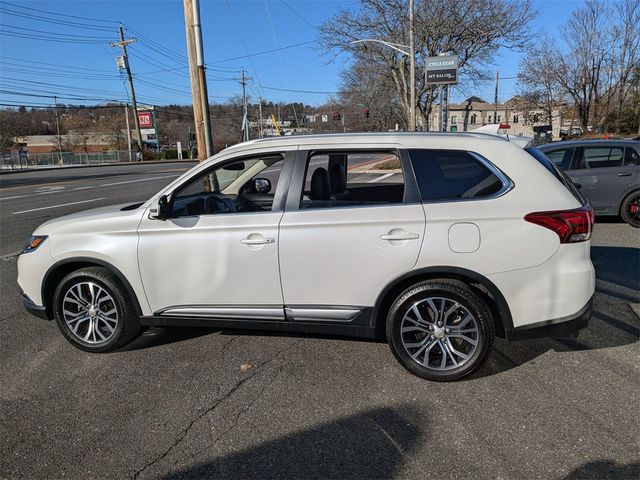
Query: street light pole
{"x": 412, "y": 69}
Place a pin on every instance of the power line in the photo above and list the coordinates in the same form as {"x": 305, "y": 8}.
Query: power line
{"x": 264, "y": 52}
{"x": 299, "y": 15}
{"x": 48, "y": 12}
{"x": 53, "y": 21}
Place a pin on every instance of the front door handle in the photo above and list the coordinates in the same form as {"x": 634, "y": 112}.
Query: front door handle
{"x": 400, "y": 236}
{"x": 257, "y": 240}
{"x": 627, "y": 174}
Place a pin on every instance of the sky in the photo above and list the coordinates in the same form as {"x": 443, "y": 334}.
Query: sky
{"x": 62, "y": 48}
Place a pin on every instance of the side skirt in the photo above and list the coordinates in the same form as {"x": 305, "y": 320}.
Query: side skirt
{"x": 307, "y": 327}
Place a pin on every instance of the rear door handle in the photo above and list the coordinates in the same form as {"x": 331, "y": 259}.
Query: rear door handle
{"x": 258, "y": 241}
{"x": 624, "y": 174}
{"x": 400, "y": 236}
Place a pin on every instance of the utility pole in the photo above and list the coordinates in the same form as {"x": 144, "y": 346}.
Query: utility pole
{"x": 126, "y": 119}
{"x": 125, "y": 59}
{"x": 495, "y": 99}
{"x": 198, "y": 79}
{"x": 412, "y": 70}
{"x": 260, "y": 111}
{"x": 245, "y": 113}
{"x": 55, "y": 99}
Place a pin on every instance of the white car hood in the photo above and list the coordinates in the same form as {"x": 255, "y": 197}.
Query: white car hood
{"x": 95, "y": 219}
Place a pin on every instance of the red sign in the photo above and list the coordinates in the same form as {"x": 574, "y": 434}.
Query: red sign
{"x": 145, "y": 119}
{"x": 504, "y": 126}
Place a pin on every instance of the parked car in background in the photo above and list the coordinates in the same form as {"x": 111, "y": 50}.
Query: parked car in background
{"x": 467, "y": 237}
{"x": 606, "y": 171}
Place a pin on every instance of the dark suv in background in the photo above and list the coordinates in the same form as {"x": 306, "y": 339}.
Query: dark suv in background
{"x": 606, "y": 171}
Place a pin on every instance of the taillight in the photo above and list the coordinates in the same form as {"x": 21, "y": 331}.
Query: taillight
{"x": 571, "y": 225}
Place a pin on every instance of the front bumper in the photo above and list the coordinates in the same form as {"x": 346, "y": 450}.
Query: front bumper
{"x": 560, "y": 327}
{"x": 33, "y": 309}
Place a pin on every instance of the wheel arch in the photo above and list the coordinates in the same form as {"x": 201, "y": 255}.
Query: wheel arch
{"x": 492, "y": 295}
{"x": 62, "y": 268}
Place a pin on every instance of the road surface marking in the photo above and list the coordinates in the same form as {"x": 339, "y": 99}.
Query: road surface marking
{"x": 382, "y": 177}
{"x": 83, "y": 188}
{"x": 133, "y": 181}
{"x": 16, "y": 196}
{"x": 61, "y": 205}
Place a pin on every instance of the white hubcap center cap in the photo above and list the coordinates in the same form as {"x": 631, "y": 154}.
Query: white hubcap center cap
{"x": 92, "y": 312}
{"x": 438, "y": 332}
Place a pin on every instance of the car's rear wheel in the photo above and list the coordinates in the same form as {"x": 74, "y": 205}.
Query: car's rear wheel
{"x": 440, "y": 329}
{"x": 630, "y": 210}
{"x": 93, "y": 310}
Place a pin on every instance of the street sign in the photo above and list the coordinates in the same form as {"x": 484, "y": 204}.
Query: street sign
{"x": 441, "y": 70}
{"x": 145, "y": 119}
{"x": 148, "y": 131}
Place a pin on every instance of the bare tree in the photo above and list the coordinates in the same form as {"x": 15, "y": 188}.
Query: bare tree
{"x": 472, "y": 29}
{"x": 538, "y": 85}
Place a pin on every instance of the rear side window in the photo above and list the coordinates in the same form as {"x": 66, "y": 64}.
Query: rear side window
{"x": 602, "y": 157}
{"x": 453, "y": 175}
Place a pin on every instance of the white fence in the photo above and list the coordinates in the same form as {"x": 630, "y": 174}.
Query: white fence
{"x": 16, "y": 161}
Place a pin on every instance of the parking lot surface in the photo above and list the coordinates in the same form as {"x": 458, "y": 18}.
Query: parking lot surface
{"x": 177, "y": 404}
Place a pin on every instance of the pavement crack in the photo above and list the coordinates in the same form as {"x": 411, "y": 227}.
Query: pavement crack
{"x": 186, "y": 430}
{"x": 10, "y": 256}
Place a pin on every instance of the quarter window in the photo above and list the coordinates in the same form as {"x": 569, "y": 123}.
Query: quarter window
{"x": 561, "y": 158}
{"x": 349, "y": 179}
{"x": 452, "y": 175}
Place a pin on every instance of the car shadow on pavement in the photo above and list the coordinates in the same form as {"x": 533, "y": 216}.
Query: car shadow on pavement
{"x": 157, "y": 336}
{"x": 618, "y": 265}
{"x": 605, "y": 469}
{"x": 372, "y": 444}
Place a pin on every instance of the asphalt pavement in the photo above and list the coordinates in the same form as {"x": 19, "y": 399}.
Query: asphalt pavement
{"x": 176, "y": 404}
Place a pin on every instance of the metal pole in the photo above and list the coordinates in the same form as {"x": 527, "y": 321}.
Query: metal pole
{"x": 202, "y": 78}
{"x": 495, "y": 99}
{"x": 55, "y": 99}
{"x": 245, "y": 133}
{"x": 412, "y": 69}
{"x": 126, "y": 118}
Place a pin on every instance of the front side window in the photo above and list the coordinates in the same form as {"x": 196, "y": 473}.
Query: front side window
{"x": 631, "y": 157}
{"x": 351, "y": 179}
{"x": 444, "y": 175}
{"x": 601, "y": 157}
{"x": 246, "y": 185}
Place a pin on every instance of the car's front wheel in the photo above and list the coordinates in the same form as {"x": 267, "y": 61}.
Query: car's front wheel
{"x": 94, "y": 311}
{"x": 440, "y": 329}
{"x": 630, "y": 210}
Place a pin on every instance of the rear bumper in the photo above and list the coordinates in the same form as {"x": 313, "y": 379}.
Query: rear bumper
{"x": 560, "y": 327}
{"x": 33, "y": 309}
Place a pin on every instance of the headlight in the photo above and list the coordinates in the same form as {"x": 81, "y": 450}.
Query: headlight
{"x": 34, "y": 242}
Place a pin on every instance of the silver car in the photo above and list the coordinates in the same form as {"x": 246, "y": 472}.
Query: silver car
{"x": 606, "y": 171}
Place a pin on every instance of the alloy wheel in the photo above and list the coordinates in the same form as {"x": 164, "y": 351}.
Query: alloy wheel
{"x": 439, "y": 333}
{"x": 90, "y": 313}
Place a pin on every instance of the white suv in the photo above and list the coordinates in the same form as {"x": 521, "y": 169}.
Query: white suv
{"x": 439, "y": 241}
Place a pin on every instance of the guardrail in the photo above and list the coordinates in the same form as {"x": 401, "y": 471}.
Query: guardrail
{"x": 16, "y": 161}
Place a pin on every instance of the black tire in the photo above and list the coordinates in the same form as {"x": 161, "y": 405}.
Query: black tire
{"x": 630, "y": 209}
{"x": 128, "y": 322}
{"x": 468, "y": 301}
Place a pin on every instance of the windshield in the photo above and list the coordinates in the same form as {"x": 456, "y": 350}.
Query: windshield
{"x": 559, "y": 174}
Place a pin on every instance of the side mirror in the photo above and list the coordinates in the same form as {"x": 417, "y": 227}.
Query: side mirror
{"x": 262, "y": 185}
{"x": 159, "y": 209}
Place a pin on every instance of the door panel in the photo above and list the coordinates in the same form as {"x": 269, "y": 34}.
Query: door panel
{"x": 345, "y": 256}
{"x": 602, "y": 176}
{"x": 204, "y": 260}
